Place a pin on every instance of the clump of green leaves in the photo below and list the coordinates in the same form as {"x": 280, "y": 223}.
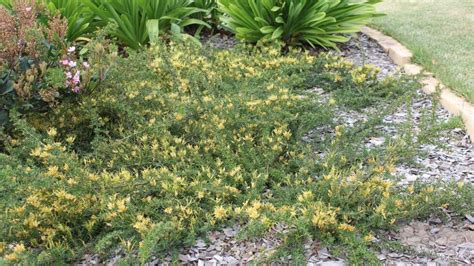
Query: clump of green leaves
{"x": 317, "y": 23}
{"x": 141, "y": 20}
{"x": 80, "y": 20}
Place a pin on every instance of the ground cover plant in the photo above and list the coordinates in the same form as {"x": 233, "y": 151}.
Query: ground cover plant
{"x": 442, "y": 48}
{"x": 145, "y": 152}
{"x": 182, "y": 140}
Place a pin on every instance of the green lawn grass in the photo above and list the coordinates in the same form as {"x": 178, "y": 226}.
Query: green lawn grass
{"x": 441, "y": 35}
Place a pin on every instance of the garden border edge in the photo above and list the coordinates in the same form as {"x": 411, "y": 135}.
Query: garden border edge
{"x": 402, "y": 56}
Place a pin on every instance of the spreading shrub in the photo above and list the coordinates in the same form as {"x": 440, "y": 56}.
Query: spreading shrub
{"x": 177, "y": 133}
{"x": 357, "y": 86}
{"x": 181, "y": 140}
{"x": 314, "y": 22}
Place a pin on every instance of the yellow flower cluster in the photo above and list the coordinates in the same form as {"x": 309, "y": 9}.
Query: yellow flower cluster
{"x": 340, "y": 67}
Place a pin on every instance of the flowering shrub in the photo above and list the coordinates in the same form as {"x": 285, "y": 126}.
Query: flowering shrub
{"x": 182, "y": 140}
{"x": 38, "y": 69}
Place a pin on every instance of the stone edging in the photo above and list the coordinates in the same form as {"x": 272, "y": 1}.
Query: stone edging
{"x": 401, "y": 56}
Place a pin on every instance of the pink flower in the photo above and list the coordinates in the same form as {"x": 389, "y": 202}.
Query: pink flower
{"x": 71, "y": 49}
{"x": 28, "y": 9}
{"x": 76, "y": 89}
{"x": 64, "y": 62}
{"x": 69, "y": 75}
{"x": 72, "y": 64}
{"x": 77, "y": 78}
{"x": 86, "y": 65}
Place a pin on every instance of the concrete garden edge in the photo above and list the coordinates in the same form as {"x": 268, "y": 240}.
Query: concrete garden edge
{"x": 401, "y": 56}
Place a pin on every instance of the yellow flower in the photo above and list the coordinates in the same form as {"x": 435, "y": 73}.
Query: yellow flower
{"x": 238, "y": 210}
{"x": 307, "y": 195}
{"x": 93, "y": 177}
{"x": 53, "y": 171}
{"x": 381, "y": 210}
{"x": 369, "y": 238}
{"x": 168, "y": 210}
{"x": 346, "y": 227}
{"x": 33, "y": 200}
{"x": 178, "y": 116}
{"x": 266, "y": 221}
{"x": 253, "y": 213}
{"x": 20, "y": 248}
{"x": 339, "y": 130}
{"x": 430, "y": 189}
{"x": 322, "y": 219}
{"x": 398, "y": 203}
{"x": 31, "y": 221}
{"x": 142, "y": 224}
{"x": 52, "y": 132}
{"x": 11, "y": 257}
{"x": 220, "y": 213}
{"x": 71, "y": 139}
{"x": 36, "y": 152}
{"x": 273, "y": 98}
{"x": 121, "y": 205}
{"x": 201, "y": 195}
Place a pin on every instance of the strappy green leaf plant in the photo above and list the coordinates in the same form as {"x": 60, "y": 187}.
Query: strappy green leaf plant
{"x": 315, "y": 22}
{"x": 212, "y": 12}
{"x": 6, "y": 3}
{"x": 133, "y": 17}
{"x": 80, "y": 18}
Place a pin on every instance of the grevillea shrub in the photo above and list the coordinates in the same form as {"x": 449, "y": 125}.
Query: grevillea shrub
{"x": 182, "y": 140}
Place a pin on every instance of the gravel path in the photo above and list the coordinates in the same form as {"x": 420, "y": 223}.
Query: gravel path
{"x": 452, "y": 158}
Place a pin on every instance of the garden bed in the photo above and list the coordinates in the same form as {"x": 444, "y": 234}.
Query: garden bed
{"x": 125, "y": 140}
{"x": 443, "y": 152}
